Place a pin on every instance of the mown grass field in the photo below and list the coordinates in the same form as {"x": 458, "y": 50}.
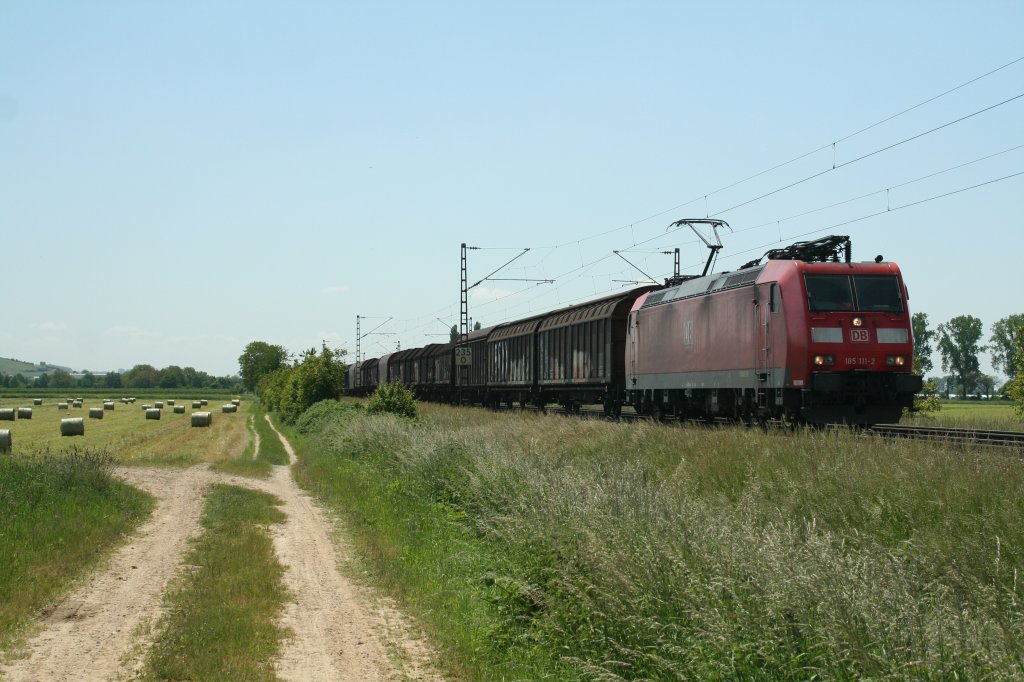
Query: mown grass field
{"x": 537, "y": 547}
{"x": 128, "y": 436}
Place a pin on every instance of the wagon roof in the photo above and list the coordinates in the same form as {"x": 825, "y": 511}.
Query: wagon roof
{"x": 602, "y": 308}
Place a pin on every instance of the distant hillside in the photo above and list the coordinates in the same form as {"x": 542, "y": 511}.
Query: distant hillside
{"x": 12, "y": 367}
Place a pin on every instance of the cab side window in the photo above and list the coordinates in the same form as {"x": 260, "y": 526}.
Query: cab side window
{"x": 776, "y": 299}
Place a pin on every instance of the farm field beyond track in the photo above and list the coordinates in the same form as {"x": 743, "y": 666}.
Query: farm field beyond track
{"x": 972, "y": 414}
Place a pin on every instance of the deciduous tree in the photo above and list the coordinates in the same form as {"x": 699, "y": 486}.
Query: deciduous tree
{"x": 142, "y": 376}
{"x": 1015, "y": 387}
{"x": 61, "y": 379}
{"x": 959, "y": 347}
{"x": 260, "y": 358}
{"x": 172, "y": 376}
{"x": 922, "y": 343}
{"x": 1003, "y": 344}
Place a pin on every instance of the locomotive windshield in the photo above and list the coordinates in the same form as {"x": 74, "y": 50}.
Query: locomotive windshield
{"x": 878, "y": 293}
{"x": 860, "y": 293}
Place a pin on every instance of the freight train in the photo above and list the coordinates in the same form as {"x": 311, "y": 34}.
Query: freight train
{"x": 803, "y": 335}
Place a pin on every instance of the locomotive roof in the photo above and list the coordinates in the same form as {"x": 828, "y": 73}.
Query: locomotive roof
{"x": 703, "y": 285}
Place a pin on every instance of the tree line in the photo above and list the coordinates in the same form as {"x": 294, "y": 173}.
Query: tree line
{"x": 959, "y": 343}
{"x": 139, "y": 376}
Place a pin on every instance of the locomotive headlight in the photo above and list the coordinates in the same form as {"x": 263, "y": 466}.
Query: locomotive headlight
{"x": 895, "y": 360}
{"x": 822, "y": 360}
{"x": 858, "y": 322}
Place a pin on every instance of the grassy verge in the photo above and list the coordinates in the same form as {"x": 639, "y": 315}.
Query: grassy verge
{"x": 546, "y": 548}
{"x": 271, "y": 449}
{"x": 221, "y": 616}
{"x": 58, "y": 516}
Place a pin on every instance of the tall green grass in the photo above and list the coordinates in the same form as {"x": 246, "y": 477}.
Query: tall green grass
{"x": 220, "y": 623}
{"x": 58, "y": 516}
{"x": 547, "y": 548}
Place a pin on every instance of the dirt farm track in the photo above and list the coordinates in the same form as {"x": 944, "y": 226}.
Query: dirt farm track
{"x": 339, "y": 630}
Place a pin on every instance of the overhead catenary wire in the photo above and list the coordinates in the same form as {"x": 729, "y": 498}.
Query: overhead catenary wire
{"x": 585, "y": 267}
{"x": 869, "y": 154}
{"x": 783, "y": 164}
{"x": 836, "y": 166}
{"x": 887, "y": 210}
{"x": 879, "y": 191}
{"x": 823, "y": 229}
{"x": 574, "y": 273}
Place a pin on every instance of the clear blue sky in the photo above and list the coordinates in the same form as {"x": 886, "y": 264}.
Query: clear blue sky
{"x": 179, "y": 179}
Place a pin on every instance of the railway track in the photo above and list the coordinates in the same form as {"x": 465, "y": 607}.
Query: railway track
{"x": 1009, "y": 439}
{"x": 1005, "y": 439}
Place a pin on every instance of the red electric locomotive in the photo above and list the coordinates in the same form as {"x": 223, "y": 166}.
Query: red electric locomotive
{"x": 807, "y": 336}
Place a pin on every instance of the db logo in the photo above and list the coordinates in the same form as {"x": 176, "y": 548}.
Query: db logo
{"x": 859, "y": 335}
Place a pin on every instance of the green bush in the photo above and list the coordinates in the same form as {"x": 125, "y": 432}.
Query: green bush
{"x": 393, "y": 398}
{"x": 290, "y": 391}
{"x": 325, "y": 412}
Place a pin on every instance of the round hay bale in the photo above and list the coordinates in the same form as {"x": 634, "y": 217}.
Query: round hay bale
{"x": 75, "y": 426}
{"x": 95, "y": 413}
{"x": 179, "y": 409}
{"x": 153, "y": 413}
{"x": 7, "y": 414}
{"x": 202, "y": 418}
{"x": 5, "y": 440}
{"x": 109, "y": 405}
{"x": 37, "y": 401}
{"x": 196, "y": 404}
{"x": 204, "y": 402}
{"x": 62, "y": 406}
{"x": 170, "y": 402}
{"x": 77, "y": 403}
{"x": 24, "y": 413}
{"x": 147, "y": 406}
{"x": 236, "y": 402}
{"x": 229, "y": 408}
{"x": 159, "y": 405}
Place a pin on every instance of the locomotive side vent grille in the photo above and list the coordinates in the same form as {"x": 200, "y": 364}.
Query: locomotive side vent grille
{"x": 701, "y": 286}
{"x": 741, "y": 278}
